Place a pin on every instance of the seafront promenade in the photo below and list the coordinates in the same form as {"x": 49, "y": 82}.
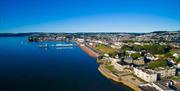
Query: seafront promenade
{"x": 88, "y": 50}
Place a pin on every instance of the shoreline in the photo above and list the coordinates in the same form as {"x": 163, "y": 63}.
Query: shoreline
{"x": 113, "y": 77}
{"x": 108, "y": 74}
{"x": 88, "y": 50}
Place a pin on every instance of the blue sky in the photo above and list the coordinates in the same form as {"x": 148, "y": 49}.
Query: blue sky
{"x": 89, "y": 15}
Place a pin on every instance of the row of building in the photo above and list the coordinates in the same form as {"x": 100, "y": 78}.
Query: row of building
{"x": 152, "y": 77}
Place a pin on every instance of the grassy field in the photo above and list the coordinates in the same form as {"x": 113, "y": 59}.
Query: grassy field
{"x": 105, "y": 49}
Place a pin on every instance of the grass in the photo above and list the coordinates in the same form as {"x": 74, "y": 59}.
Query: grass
{"x": 176, "y": 78}
{"x": 110, "y": 67}
{"x": 175, "y": 51}
{"x": 155, "y": 64}
{"x": 105, "y": 49}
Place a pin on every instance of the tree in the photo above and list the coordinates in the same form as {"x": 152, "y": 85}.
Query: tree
{"x": 168, "y": 55}
{"x": 157, "y": 49}
{"x": 177, "y": 60}
{"x": 155, "y": 64}
{"x": 137, "y": 48}
{"x": 113, "y": 54}
{"x": 125, "y": 47}
{"x": 135, "y": 55}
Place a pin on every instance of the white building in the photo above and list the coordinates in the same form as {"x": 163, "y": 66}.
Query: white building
{"x": 176, "y": 55}
{"x": 115, "y": 46}
{"x": 145, "y": 74}
{"x": 80, "y": 40}
{"x": 178, "y": 65}
{"x": 165, "y": 72}
{"x": 131, "y": 51}
{"x": 120, "y": 67}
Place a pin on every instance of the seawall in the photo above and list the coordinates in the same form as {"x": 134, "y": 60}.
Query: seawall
{"x": 89, "y": 51}
{"x": 115, "y": 78}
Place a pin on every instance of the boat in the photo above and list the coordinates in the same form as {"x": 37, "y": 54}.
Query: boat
{"x": 43, "y": 46}
{"x": 60, "y": 48}
{"x": 63, "y": 45}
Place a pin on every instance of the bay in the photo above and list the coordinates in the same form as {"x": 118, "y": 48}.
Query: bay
{"x": 26, "y": 67}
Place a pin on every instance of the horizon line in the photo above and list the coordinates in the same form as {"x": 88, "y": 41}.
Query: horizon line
{"x": 88, "y": 32}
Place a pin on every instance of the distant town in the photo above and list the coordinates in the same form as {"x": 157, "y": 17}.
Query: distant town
{"x": 142, "y": 61}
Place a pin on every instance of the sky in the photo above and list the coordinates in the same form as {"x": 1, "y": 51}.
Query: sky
{"x": 89, "y": 15}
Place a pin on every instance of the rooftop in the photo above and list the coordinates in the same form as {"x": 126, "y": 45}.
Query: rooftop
{"x": 162, "y": 85}
{"x": 148, "y": 71}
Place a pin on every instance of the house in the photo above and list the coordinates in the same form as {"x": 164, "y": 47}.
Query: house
{"x": 165, "y": 72}
{"x": 163, "y": 86}
{"x": 148, "y": 87}
{"x": 116, "y": 46}
{"x": 145, "y": 74}
{"x": 128, "y": 60}
{"x": 151, "y": 57}
{"x": 176, "y": 55}
{"x": 120, "y": 67}
{"x": 139, "y": 61}
{"x": 131, "y": 51}
{"x": 160, "y": 86}
{"x": 80, "y": 40}
{"x": 178, "y": 69}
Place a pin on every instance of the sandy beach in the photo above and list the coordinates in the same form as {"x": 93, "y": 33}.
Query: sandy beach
{"x": 89, "y": 51}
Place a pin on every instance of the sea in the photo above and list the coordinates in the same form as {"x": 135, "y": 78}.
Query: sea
{"x": 24, "y": 66}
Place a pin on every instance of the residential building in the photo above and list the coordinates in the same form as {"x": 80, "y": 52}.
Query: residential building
{"x": 120, "y": 67}
{"x": 165, "y": 72}
{"x": 162, "y": 86}
{"x": 145, "y": 74}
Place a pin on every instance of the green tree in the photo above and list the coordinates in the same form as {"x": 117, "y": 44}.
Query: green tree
{"x": 125, "y": 47}
{"x": 135, "y": 55}
{"x": 113, "y": 54}
{"x": 168, "y": 55}
{"x": 177, "y": 60}
{"x": 155, "y": 64}
{"x": 137, "y": 48}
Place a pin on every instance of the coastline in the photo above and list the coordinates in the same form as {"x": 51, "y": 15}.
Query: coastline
{"x": 88, "y": 50}
{"x": 108, "y": 74}
{"x": 113, "y": 77}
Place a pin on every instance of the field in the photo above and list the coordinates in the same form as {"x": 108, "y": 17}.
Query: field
{"x": 105, "y": 49}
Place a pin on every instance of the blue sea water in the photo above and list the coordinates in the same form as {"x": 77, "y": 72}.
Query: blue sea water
{"x": 26, "y": 67}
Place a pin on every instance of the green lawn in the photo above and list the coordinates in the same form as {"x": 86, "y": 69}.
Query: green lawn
{"x": 110, "y": 67}
{"x": 105, "y": 49}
